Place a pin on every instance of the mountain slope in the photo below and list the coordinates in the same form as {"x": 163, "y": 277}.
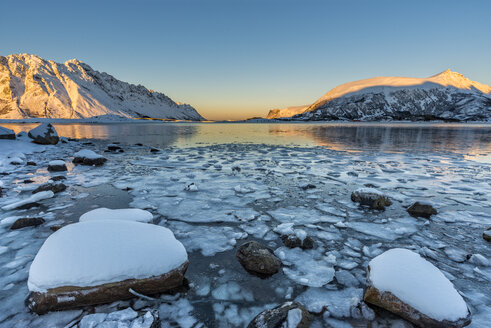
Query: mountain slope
{"x": 286, "y": 112}
{"x": 33, "y": 87}
{"x": 447, "y": 96}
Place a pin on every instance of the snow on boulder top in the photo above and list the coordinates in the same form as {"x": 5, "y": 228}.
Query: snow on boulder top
{"x": 125, "y": 214}
{"x": 86, "y": 153}
{"x": 56, "y": 162}
{"x": 417, "y": 283}
{"x": 98, "y": 252}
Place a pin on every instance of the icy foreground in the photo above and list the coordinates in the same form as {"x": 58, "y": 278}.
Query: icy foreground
{"x": 34, "y": 87}
{"x": 445, "y": 96}
{"x": 267, "y": 198}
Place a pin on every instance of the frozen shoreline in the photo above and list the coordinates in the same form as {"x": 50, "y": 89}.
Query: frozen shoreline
{"x": 266, "y": 192}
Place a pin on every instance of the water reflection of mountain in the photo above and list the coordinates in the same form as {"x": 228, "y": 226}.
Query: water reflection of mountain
{"x": 472, "y": 139}
{"x": 155, "y": 134}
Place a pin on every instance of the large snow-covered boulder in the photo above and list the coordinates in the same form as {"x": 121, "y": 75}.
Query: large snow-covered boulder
{"x": 125, "y": 214}
{"x": 44, "y": 134}
{"x": 97, "y": 262}
{"x": 57, "y": 166}
{"x": 404, "y": 283}
{"x": 6, "y": 133}
{"x": 88, "y": 157}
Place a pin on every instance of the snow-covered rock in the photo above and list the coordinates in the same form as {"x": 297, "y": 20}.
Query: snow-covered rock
{"x": 448, "y": 96}
{"x": 29, "y": 200}
{"x": 88, "y": 157}
{"x": 288, "y": 315}
{"x": 404, "y": 283}
{"x": 103, "y": 261}
{"x": 57, "y": 166}
{"x": 44, "y": 134}
{"x": 34, "y": 87}
{"x": 6, "y": 133}
{"x": 125, "y": 214}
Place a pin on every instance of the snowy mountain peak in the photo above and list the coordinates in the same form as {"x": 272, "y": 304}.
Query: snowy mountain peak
{"x": 447, "y": 95}
{"x": 34, "y": 87}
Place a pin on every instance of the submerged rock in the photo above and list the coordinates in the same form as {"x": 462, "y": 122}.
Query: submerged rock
{"x": 113, "y": 147}
{"x": 57, "y": 166}
{"x": 6, "y": 133}
{"x": 123, "y": 318}
{"x": 371, "y": 197}
{"x": 421, "y": 210}
{"x": 88, "y": 157}
{"x": 26, "y": 222}
{"x": 289, "y": 314}
{"x": 44, "y": 134}
{"x": 97, "y": 262}
{"x": 54, "y": 187}
{"x": 257, "y": 258}
{"x": 404, "y": 283}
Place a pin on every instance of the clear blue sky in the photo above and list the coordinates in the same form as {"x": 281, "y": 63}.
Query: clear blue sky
{"x": 237, "y": 59}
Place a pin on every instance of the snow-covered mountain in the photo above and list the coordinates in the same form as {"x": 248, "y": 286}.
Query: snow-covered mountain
{"x": 33, "y": 87}
{"x": 286, "y": 112}
{"x": 447, "y": 96}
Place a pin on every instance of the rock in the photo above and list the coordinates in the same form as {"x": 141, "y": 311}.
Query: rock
{"x": 44, "y": 134}
{"x": 308, "y": 186}
{"x": 31, "y": 163}
{"x": 236, "y": 169}
{"x": 289, "y": 314}
{"x": 421, "y": 210}
{"x": 113, "y": 147}
{"x": 55, "y": 227}
{"x": 371, "y": 197}
{"x": 486, "y": 234}
{"x": 88, "y": 157}
{"x": 404, "y": 283}
{"x": 6, "y": 133}
{"x": 26, "y": 222}
{"x": 191, "y": 187}
{"x": 292, "y": 241}
{"x": 95, "y": 262}
{"x": 123, "y": 318}
{"x": 257, "y": 258}
{"x": 57, "y": 166}
{"x": 154, "y": 150}
{"x": 54, "y": 187}
{"x": 58, "y": 178}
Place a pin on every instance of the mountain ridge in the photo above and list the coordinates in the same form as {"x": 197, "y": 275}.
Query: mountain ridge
{"x": 447, "y": 95}
{"x": 32, "y": 87}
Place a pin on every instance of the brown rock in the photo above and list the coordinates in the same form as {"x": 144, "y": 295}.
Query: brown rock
{"x": 257, "y": 258}
{"x": 487, "y": 235}
{"x": 69, "y": 297}
{"x": 374, "y": 200}
{"x": 26, "y": 222}
{"x": 277, "y": 317}
{"x": 421, "y": 210}
{"x": 292, "y": 241}
{"x": 57, "y": 168}
{"x": 54, "y": 187}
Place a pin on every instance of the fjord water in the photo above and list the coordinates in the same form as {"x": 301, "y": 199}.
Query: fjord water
{"x": 472, "y": 140}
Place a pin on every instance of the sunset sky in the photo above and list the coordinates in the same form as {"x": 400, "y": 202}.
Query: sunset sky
{"x": 237, "y": 59}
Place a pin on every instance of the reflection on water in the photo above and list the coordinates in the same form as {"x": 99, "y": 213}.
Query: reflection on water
{"x": 468, "y": 139}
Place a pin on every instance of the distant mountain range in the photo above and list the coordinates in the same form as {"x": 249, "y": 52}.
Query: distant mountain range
{"x": 33, "y": 87}
{"x": 445, "y": 96}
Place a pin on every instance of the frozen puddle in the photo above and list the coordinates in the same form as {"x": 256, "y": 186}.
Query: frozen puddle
{"x": 216, "y": 197}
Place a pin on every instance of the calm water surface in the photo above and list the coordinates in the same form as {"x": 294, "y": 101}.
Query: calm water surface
{"x": 471, "y": 140}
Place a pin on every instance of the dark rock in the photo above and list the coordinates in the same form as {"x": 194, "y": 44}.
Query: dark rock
{"x": 44, "y": 134}
{"x": 28, "y": 181}
{"x": 113, "y": 147}
{"x": 69, "y": 297}
{"x": 55, "y": 227}
{"x": 486, "y": 234}
{"x": 54, "y": 187}
{"x": 154, "y": 150}
{"x": 236, "y": 169}
{"x": 308, "y": 186}
{"x": 57, "y": 167}
{"x": 58, "y": 177}
{"x": 292, "y": 241}
{"x": 421, "y": 210}
{"x": 372, "y": 199}
{"x": 257, "y": 258}
{"x": 98, "y": 161}
{"x": 138, "y": 144}
{"x": 7, "y": 133}
{"x": 121, "y": 150}
{"x": 28, "y": 206}
{"x": 278, "y": 317}
{"x": 31, "y": 163}
{"x": 26, "y": 222}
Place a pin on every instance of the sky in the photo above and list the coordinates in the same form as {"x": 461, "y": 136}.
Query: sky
{"x": 239, "y": 59}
